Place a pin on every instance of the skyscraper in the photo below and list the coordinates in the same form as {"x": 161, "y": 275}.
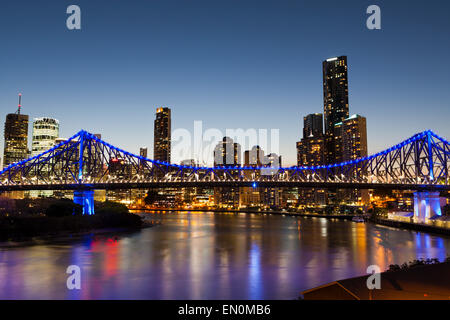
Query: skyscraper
{"x": 351, "y": 137}
{"x": 311, "y": 152}
{"x": 313, "y": 125}
{"x": 351, "y": 143}
{"x": 16, "y": 137}
{"x": 335, "y": 99}
{"x": 143, "y": 152}
{"x": 162, "y": 135}
{"x": 254, "y": 157}
{"x": 45, "y": 133}
{"x": 227, "y": 153}
{"x": 311, "y": 148}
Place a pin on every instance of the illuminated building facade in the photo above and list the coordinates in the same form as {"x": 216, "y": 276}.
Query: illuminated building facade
{"x": 272, "y": 197}
{"x": 351, "y": 137}
{"x": 313, "y": 125}
{"x": 311, "y": 152}
{"x": 162, "y": 135}
{"x": 16, "y": 142}
{"x": 143, "y": 152}
{"x": 45, "y": 133}
{"x": 335, "y": 100}
{"x": 16, "y": 138}
{"x": 227, "y": 153}
{"x": 351, "y": 143}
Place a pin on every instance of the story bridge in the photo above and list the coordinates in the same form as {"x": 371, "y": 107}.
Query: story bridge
{"x": 84, "y": 163}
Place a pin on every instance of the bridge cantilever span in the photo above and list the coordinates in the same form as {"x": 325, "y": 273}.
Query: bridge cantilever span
{"x": 84, "y": 162}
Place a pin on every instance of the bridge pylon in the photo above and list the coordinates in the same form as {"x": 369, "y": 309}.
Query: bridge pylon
{"x": 85, "y": 198}
{"x": 426, "y": 206}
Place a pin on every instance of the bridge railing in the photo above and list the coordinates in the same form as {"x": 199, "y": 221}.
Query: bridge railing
{"x": 85, "y": 159}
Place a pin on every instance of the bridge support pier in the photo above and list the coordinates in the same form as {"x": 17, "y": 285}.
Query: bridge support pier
{"x": 85, "y": 198}
{"x": 426, "y": 206}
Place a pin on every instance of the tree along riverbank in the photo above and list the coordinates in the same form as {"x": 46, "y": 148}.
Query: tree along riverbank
{"x": 56, "y": 217}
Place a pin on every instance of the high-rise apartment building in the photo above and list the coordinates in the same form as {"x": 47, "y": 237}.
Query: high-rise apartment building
{"x": 227, "y": 153}
{"x": 162, "y": 135}
{"x": 311, "y": 148}
{"x": 351, "y": 143}
{"x": 335, "y": 100}
{"x": 351, "y": 138}
{"x": 313, "y": 125}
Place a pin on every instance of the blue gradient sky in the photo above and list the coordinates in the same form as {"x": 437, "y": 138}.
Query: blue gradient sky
{"x": 231, "y": 64}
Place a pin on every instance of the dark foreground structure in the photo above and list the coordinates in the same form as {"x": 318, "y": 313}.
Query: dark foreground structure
{"x": 429, "y": 282}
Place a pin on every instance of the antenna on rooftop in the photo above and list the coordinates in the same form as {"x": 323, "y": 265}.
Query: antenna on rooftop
{"x": 20, "y": 105}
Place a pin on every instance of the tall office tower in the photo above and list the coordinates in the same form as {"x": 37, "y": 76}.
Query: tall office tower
{"x": 313, "y": 125}
{"x": 162, "y": 135}
{"x": 351, "y": 143}
{"x": 16, "y": 137}
{"x": 335, "y": 100}
{"x": 254, "y": 157}
{"x": 311, "y": 148}
{"x": 143, "y": 152}
{"x": 227, "y": 153}
{"x": 45, "y": 133}
{"x": 311, "y": 152}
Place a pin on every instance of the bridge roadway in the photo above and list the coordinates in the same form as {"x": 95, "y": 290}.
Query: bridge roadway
{"x": 212, "y": 184}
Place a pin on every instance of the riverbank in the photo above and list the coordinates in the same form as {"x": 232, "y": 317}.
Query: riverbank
{"x": 286, "y": 213}
{"x": 411, "y": 226}
{"x": 16, "y": 228}
{"x": 420, "y": 280}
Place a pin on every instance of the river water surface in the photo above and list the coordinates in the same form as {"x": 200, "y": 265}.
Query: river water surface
{"x": 205, "y": 255}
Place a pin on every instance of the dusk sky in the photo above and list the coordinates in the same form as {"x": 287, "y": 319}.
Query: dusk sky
{"x": 232, "y": 64}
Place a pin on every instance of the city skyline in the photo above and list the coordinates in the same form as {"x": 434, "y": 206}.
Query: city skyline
{"x": 201, "y": 150}
{"x": 232, "y": 82}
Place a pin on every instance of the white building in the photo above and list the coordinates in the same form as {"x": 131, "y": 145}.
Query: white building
{"x": 45, "y": 134}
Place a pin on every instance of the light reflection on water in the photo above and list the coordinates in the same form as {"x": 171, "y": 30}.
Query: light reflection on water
{"x": 211, "y": 256}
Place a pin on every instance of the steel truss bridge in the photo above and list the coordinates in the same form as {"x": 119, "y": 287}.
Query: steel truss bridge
{"x": 85, "y": 162}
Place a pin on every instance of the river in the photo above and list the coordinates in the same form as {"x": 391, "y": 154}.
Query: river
{"x": 205, "y": 255}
